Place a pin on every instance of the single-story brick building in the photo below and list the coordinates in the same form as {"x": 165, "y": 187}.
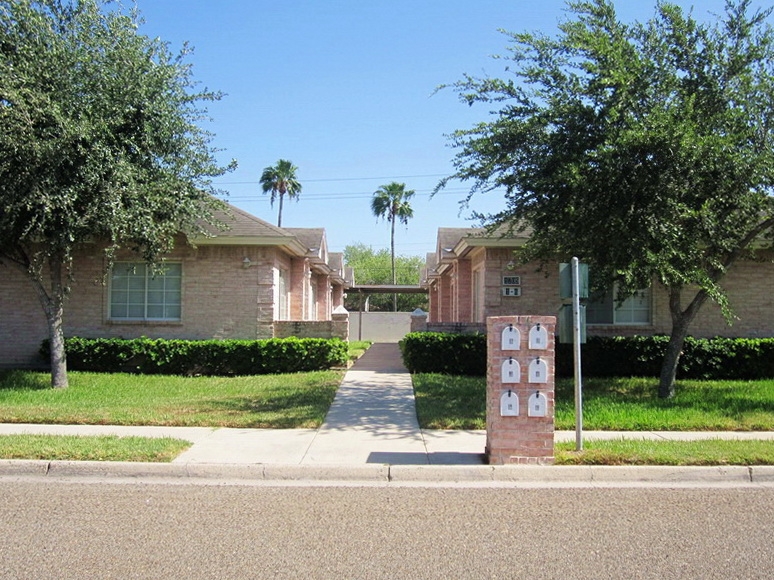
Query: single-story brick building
{"x": 473, "y": 275}
{"x": 252, "y": 281}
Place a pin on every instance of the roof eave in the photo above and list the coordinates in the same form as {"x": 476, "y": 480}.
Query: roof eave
{"x": 289, "y": 244}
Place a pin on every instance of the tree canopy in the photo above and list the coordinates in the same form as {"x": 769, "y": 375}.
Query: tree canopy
{"x": 99, "y": 141}
{"x": 280, "y": 180}
{"x": 375, "y": 267}
{"x": 645, "y": 149}
{"x": 392, "y": 202}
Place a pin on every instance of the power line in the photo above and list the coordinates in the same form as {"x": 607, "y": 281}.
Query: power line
{"x": 342, "y": 195}
{"x": 341, "y": 179}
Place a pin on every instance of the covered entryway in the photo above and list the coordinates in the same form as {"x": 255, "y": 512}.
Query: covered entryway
{"x": 380, "y": 326}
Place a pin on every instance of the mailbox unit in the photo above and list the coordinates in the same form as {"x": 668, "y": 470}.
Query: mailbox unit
{"x": 520, "y": 389}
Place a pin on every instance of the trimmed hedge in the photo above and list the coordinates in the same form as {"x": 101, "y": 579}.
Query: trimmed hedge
{"x": 702, "y": 358}
{"x": 203, "y": 357}
{"x": 446, "y": 353}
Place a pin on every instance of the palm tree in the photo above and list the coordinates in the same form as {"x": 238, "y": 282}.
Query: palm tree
{"x": 391, "y": 203}
{"x": 280, "y": 180}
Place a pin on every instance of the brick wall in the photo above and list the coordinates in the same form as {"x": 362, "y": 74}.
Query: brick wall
{"x": 312, "y": 328}
{"x": 520, "y": 437}
{"x": 220, "y": 299}
{"x": 749, "y": 284}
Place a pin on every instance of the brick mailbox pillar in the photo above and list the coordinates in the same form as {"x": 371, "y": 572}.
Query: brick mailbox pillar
{"x": 520, "y": 390}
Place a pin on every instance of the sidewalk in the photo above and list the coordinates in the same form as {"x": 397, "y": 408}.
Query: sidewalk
{"x": 372, "y": 422}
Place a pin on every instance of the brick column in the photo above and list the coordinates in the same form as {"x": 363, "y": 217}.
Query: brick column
{"x": 419, "y": 320}
{"x": 340, "y": 319}
{"x": 520, "y": 402}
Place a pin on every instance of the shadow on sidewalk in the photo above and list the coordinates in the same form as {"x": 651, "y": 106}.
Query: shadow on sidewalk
{"x": 435, "y": 458}
{"x": 381, "y": 357}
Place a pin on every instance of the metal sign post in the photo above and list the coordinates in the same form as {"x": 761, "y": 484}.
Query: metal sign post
{"x": 576, "y": 343}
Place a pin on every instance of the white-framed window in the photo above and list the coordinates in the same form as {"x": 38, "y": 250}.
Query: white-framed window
{"x": 283, "y": 296}
{"x": 137, "y": 292}
{"x": 478, "y": 296}
{"x": 312, "y": 299}
{"x": 636, "y": 309}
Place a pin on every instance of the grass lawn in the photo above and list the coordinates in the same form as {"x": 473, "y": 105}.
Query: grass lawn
{"x": 639, "y": 452}
{"x": 266, "y": 401}
{"x": 357, "y": 348}
{"x": 101, "y": 448}
{"x": 625, "y": 404}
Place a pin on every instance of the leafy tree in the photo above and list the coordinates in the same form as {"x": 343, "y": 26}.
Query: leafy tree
{"x": 644, "y": 149}
{"x": 280, "y": 180}
{"x": 391, "y": 202}
{"x": 98, "y": 143}
{"x": 375, "y": 267}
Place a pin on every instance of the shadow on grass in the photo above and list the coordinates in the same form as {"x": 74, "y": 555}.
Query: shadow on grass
{"x": 24, "y": 381}
{"x": 733, "y": 399}
{"x": 286, "y": 411}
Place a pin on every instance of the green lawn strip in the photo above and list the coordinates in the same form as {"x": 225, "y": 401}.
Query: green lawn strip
{"x": 450, "y": 401}
{"x": 357, "y": 348}
{"x": 285, "y": 401}
{"x": 646, "y": 452}
{"x": 92, "y": 448}
{"x": 617, "y": 404}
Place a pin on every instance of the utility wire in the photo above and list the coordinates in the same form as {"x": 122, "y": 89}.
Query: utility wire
{"x": 340, "y": 179}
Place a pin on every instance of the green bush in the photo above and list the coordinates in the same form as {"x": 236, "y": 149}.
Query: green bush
{"x": 203, "y": 357}
{"x": 635, "y": 356}
{"x": 438, "y": 352}
{"x": 641, "y": 356}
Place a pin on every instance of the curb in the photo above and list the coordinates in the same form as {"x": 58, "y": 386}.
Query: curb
{"x": 541, "y": 476}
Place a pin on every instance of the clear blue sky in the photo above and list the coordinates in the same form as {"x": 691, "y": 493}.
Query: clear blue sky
{"x": 344, "y": 89}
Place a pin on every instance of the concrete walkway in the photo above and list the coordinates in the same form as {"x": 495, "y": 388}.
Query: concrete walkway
{"x": 372, "y": 421}
{"x": 373, "y": 418}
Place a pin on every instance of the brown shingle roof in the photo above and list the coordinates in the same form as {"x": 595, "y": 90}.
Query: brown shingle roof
{"x": 244, "y": 228}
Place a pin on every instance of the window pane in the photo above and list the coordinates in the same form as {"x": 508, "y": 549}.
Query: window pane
{"x": 172, "y": 312}
{"x": 605, "y": 310}
{"x": 136, "y": 283}
{"x": 635, "y": 309}
{"x": 173, "y": 283}
{"x": 135, "y": 311}
{"x": 155, "y": 296}
{"x": 120, "y": 296}
{"x": 137, "y": 294}
{"x": 599, "y": 310}
{"x": 156, "y": 283}
{"x": 173, "y": 270}
{"x": 172, "y": 298}
{"x": 155, "y": 311}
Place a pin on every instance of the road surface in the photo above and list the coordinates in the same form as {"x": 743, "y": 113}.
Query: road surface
{"x": 63, "y": 530}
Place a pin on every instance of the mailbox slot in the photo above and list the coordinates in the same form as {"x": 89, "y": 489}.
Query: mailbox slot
{"x": 509, "y": 404}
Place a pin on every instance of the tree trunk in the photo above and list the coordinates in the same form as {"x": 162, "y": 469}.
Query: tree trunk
{"x": 58, "y": 354}
{"x": 279, "y": 215}
{"x": 392, "y": 257}
{"x": 53, "y": 307}
{"x": 54, "y": 314}
{"x": 666, "y": 385}
{"x": 681, "y": 320}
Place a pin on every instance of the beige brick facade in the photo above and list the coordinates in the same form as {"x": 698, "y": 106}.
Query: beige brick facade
{"x": 468, "y": 287}
{"x": 228, "y": 290}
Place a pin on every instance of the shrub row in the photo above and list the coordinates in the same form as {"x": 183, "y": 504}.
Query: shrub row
{"x": 446, "y": 353}
{"x": 203, "y": 357}
{"x": 702, "y": 358}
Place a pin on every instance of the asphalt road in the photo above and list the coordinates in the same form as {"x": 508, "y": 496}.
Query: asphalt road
{"x": 64, "y": 530}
